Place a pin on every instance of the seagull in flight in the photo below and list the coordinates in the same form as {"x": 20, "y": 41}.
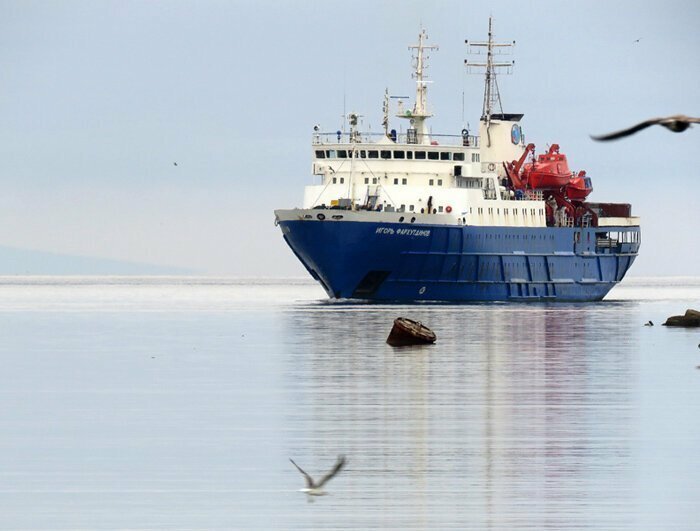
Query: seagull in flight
{"x": 677, "y": 123}
{"x": 315, "y": 488}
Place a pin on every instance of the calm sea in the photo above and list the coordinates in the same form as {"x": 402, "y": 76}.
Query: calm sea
{"x": 175, "y": 403}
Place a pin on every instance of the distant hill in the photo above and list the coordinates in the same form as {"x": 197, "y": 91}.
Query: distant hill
{"x": 15, "y": 261}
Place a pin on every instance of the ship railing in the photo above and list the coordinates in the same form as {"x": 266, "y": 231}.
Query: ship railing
{"x": 606, "y": 243}
{"x": 340, "y": 137}
{"x": 522, "y": 195}
{"x": 534, "y": 195}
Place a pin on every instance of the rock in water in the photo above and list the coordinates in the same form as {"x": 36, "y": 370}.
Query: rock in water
{"x": 691, "y": 319}
{"x": 409, "y": 332}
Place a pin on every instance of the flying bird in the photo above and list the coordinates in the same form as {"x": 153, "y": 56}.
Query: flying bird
{"x": 315, "y": 488}
{"x": 677, "y": 123}
{"x": 649, "y": 324}
{"x": 174, "y": 163}
{"x": 635, "y": 41}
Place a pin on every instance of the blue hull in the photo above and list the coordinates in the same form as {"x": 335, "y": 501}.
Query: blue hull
{"x": 401, "y": 262}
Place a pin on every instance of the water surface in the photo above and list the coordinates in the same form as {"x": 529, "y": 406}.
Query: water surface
{"x": 175, "y": 403}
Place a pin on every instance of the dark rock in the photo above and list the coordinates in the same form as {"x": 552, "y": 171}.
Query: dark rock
{"x": 408, "y": 332}
{"x": 691, "y": 319}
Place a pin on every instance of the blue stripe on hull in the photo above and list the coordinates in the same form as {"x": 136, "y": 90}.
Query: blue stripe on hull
{"x": 405, "y": 262}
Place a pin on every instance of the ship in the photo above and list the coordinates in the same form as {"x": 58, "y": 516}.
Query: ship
{"x": 412, "y": 216}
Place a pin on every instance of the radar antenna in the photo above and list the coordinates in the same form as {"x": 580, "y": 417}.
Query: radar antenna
{"x": 420, "y": 112}
{"x": 492, "y": 96}
{"x": 385, "y": 112}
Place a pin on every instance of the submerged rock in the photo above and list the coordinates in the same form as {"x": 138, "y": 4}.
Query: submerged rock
{"x": 690, "y": 319}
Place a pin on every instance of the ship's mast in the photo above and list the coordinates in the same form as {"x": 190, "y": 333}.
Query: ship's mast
{"x": 420, "y": 108}
{"x": 492, "y": 96}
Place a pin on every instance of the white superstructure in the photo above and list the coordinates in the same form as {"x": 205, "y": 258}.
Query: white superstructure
{"x": 452, "y": 177}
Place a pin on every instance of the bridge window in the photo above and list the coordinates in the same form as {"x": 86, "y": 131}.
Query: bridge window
{"x": 439, "y": 209}
{"x": 475, "y": 157}
{"x": 411, "y": 208}
{"x": 331, "y": 154}
{"x": 445, "y": 155}
{"x": 409, "y": 154}
{"x": 431, "y": 182}
{"x": 366, "y": 180}
{"x": 420, "y": 155}
{"x": 363, "y": 154}
{"x": 433, "y": 155}
{"x": 342, "y": 180}
{"x": 321, "y": 154}
{"x": 439, "y": 182}
{"x": 373, "y": 154}
{"x": 404, "y": 181}
{"x": 399, "y": 155}
{"x": 458, "y": 156}
{"x": 386, "y": 154}
{"x": 335, "y": 180}
{"x": 396, "y": 181}
{"x": 342, "y": 154}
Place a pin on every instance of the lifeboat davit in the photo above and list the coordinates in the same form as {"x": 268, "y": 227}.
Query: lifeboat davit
{"x": 549, "y": 172}
{"x": 579, "y": 187}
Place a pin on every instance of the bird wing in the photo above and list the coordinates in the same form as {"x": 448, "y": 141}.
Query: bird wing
{"x": 683, "y": 118}
{"x": 629, "y": 130}
{"x": 309, "y": 479}
{"x": 340, "y": 463}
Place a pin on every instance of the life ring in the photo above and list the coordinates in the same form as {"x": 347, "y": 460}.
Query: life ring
{"x": 448, "y": 209}
{"x": 492, "y": 166}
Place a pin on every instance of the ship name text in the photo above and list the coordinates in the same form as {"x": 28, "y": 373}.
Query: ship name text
{"x": 403, "y": 232}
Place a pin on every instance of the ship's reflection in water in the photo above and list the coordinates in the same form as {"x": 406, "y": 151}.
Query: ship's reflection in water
{"x": 519, "y": 416}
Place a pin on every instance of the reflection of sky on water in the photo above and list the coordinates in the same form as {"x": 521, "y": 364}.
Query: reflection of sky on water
{"x": 520, "y": 415}
{"x": 175, "y": 403}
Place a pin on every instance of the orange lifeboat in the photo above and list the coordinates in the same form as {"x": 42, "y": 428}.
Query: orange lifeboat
{"x": 549, "y": 172}
{"x": 579, "y": 187}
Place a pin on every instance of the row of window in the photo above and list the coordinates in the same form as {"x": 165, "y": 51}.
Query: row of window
{"x": 412, "y": 208}
{"x": 388, "y": 154}
{"x": 375, "y": 180}
{"x": 533, "y": 211}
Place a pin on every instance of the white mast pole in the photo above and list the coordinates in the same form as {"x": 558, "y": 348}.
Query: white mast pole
{"x": 420, "y": 107}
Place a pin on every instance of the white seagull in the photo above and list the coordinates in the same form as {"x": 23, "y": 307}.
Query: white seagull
{"x": 677, "y": 123}
{"x": 315, "y": 488}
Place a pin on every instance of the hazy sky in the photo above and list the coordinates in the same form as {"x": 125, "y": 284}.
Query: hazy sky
{"x": 99, "y": 99}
